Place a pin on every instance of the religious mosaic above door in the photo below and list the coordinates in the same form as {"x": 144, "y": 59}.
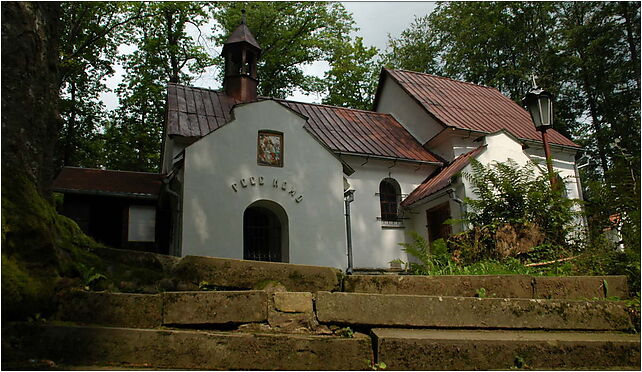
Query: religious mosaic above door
{"x": 270, "y": 149}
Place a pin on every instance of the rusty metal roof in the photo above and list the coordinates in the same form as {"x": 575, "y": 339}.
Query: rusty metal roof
{"x": 195, "y": 112}
{"x": 242, "y": 34}
{"x": 360, "y": 132}
{"x": 111, "y": 182}
{"x": 469, "y": 106}
{"x": 441, "y": 178}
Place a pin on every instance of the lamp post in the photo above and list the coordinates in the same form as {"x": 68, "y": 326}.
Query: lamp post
{"x": 539, "y": 104}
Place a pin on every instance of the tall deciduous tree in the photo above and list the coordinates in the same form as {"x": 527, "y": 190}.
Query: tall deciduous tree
{"x": 164, "y": 53}
{"x": 90, "y": 35}
{"x": 351, "y": 80}
{"x": 291, "y": 34}
{"x": 30, "y": 120}
{"x": 416, "y": 49}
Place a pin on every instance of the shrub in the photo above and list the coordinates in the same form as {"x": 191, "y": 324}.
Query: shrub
{"x": 519, "y": 203}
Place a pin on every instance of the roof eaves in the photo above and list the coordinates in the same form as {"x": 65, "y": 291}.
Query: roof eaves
{"x": 130, "y": 195}
{"x": 466, "y": 159}
{"x": 408, "y": 160}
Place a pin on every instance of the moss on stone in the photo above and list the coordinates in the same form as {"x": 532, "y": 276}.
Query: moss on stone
{"x": 39, "y": 247}
{"x": 23, "y": 293}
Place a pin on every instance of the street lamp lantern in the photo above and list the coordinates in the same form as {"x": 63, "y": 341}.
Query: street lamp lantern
{"x": 539, "y": 104}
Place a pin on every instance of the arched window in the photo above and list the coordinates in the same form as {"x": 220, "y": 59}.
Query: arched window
{"x": 389, "y": 198}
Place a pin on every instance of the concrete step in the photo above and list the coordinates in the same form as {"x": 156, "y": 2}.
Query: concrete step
{"x": 182, "y": 349}
{"x": 169, "y": 308}
{"x": 469, "y": 312}
{"x": 414, "y": 349}
{"x": 192, "y": 271}
{"x": 498, "y": 286}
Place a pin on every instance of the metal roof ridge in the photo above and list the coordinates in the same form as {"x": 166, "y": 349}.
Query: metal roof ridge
{"x": 330, "y": 106}
{"x": 193, "y": 87}
{"x": 443, "y": 77}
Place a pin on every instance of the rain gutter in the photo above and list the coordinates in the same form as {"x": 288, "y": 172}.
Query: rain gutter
{"x": 389, "y": 158}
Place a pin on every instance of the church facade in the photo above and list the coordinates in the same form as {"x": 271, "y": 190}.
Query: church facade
{"x": 259, "y": 178}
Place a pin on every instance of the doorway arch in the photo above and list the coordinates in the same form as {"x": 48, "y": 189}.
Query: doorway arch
{"x": 265, "y": 232}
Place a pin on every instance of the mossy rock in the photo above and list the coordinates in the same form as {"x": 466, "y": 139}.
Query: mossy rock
{"x": 23, "y": 294}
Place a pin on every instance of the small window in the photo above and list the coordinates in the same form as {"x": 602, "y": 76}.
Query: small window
{"x": 270, "y": 148}
{"x": 389, "y": 198}
{"x": 142, "y": 223}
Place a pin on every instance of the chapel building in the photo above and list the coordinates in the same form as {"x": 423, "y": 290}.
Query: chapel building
{"x": 259, "y": 178}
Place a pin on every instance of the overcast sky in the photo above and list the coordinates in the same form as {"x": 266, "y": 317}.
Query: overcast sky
{"x": 375, "y": 20}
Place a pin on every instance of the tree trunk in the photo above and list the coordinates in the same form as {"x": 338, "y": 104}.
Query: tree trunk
{"x": 30, "y": 120}
{"x": 71, "y": 128}
{"x": 172, "y": 42}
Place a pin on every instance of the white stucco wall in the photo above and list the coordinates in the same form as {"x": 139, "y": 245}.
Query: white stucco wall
{"x": 501, "y": 147}
{"x": 374, "y": 243}
{"x": 393, "y": 100}
{"x": 213, "y": 210}
{"x": 456, "y": 143}
{"x": 563, "y": 162}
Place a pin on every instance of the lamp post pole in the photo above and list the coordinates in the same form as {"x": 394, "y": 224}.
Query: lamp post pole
{"x": 540, "y": 106}
{"x": 549, "y": 159}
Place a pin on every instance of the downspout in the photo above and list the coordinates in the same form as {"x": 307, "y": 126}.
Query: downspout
{"x": 462, "y": 207}
{"x": 348, "y": 197}
{"x": 176, "y": 215}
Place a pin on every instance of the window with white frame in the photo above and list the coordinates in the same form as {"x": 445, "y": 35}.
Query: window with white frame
{"x": 142, "y": 223}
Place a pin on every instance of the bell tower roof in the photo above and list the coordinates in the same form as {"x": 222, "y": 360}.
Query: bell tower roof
{"x": 241, "y": 52}
{"x": 242, "y": 34}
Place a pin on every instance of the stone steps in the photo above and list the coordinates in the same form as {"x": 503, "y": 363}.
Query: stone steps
{"x": 498, "y": 286}
{"x": 264, "y": 315}
{"x": 183, "y": 349}
{"x": 470, "y": 312}
{"x": 203, "y": 308}
{"x": 415, "y": 349}
{"x": 399, "y": 349}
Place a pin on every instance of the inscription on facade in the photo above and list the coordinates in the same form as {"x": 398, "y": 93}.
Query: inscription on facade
{"x": 277, "y": 184}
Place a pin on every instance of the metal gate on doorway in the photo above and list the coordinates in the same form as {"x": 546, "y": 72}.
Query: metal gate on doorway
{"x": 263, "y": 232}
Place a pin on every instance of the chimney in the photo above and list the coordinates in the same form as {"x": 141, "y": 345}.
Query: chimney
{"x": 241, "y": 52}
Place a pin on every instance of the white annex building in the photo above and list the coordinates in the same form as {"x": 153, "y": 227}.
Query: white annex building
{"x": 258, "y": 178}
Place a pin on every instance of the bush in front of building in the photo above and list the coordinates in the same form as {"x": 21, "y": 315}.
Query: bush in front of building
{"x": 516, "y": 213}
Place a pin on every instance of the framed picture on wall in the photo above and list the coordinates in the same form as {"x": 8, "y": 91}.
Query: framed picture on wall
{"x": 270, "y": 149}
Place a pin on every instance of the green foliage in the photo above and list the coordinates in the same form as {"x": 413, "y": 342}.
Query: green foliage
{"x": 90, "y": 35}
{"x": 506, "y": 193}
{"x": 89, "y": 275}
{"x": 416, "y": 49}
{"x": 376, "y": 366}
{"x": 431, "y": 259}
{"x": 164, "y": 53}
{"x": 346, "y": 332}
{"x": 351, "y": 80}
{"x": 440, "y": 262}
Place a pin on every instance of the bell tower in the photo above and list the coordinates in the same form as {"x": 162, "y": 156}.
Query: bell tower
{"x": 241, "y": 52}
